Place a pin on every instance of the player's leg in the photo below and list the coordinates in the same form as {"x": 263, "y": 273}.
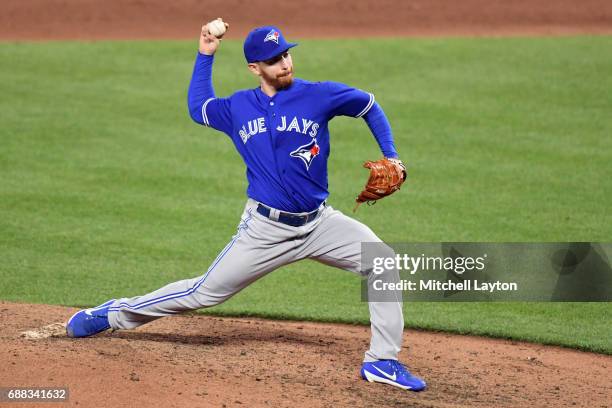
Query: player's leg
{"x": 336, "y": 241}
{"x": 259, "y": 246}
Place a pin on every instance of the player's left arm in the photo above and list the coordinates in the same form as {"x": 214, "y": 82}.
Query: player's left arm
{"x": 381, "y": 129}
{"x": 353, "y": 102}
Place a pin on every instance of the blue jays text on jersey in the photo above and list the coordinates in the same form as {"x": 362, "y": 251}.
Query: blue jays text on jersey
{"x": 255, "y": 126}
{"x": 283, "y": 139}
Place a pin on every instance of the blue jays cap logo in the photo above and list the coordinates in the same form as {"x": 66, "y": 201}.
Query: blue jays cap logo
{"x": 272, "y": 36}
{"x": 307, "y": 152}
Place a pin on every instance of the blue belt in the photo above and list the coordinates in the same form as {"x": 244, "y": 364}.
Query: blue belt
{"x": 293, "y": 220}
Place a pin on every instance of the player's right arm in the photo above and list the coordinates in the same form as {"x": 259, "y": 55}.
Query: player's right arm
{"x": 204, "y": 107}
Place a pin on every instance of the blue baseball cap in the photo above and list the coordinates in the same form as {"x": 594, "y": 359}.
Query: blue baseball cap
{"x": 264, "y": 43}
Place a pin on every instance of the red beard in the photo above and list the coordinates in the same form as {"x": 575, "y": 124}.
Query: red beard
{"x": 280, "y": 81}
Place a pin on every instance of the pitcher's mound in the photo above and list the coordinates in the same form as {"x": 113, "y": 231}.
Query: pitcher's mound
{"x": 194, "y": 361}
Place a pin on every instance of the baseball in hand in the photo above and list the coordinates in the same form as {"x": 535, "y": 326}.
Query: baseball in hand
{"x": 216, "y": 27}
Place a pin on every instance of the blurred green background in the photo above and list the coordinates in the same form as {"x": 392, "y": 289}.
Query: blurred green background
{"x": 108, "y": 189}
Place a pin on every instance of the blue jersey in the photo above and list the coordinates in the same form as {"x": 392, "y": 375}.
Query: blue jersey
{"x": 284, "y": 139}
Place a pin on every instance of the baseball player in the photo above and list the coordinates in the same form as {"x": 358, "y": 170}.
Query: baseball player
{"x": 280, "y": 130}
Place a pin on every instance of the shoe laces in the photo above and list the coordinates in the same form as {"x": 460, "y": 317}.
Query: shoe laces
{"x": 399, "y": 368}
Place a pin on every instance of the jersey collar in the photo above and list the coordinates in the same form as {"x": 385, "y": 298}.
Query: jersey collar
{"x": 266, "y": 98}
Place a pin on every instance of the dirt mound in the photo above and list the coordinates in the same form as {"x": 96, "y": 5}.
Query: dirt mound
{"x": 207, "y": 361}
{"x": 140, "y": 19}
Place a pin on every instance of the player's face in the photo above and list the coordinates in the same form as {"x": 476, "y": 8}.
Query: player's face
{"x": 277, "y": 71}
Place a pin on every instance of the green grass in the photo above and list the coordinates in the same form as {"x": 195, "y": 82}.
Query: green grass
{"x": 108, "y": 189}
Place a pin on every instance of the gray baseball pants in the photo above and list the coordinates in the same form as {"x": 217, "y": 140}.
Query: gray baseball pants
{"x": 260, "y": 246}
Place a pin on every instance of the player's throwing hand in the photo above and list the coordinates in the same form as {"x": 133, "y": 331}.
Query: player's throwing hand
{"x": 208, "y": 42}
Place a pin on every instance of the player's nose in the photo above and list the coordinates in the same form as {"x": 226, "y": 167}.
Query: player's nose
{"x": 284, "y": 63}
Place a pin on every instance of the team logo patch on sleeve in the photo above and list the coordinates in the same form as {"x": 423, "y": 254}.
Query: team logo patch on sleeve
{"x": 307, "y": 152}
{"x": 272, "y": 36}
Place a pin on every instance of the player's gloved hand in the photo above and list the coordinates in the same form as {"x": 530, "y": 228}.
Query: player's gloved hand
{"x": 208, "y": 42}
{"x": 386, "y": 177}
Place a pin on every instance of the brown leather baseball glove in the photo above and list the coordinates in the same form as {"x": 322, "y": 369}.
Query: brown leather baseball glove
{"x": 386, "y": 177}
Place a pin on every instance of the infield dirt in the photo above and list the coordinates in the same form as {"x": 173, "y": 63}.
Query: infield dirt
{"x": 197, "y": 361}
{"x": 140, "y": 19}
{"x": 200, "y": 361}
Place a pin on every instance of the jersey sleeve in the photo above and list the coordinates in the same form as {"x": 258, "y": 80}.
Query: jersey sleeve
{"x": 204, "y": 107}
{"x": 347, "y": 101}
{"x": 217, "y": 114}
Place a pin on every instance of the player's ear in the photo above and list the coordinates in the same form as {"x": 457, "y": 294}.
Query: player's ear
{"x": 254, "y": 68}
